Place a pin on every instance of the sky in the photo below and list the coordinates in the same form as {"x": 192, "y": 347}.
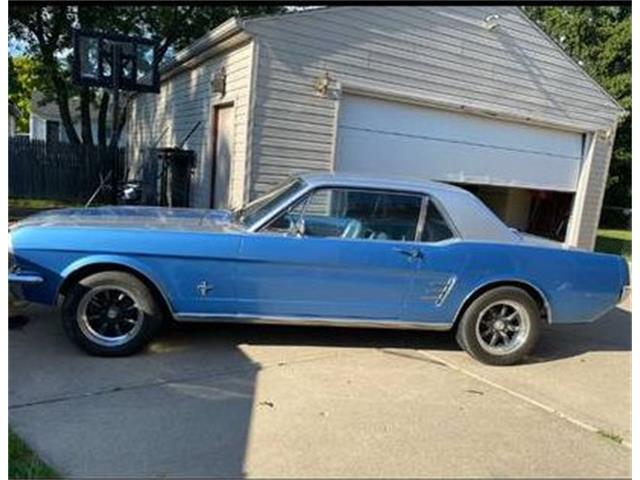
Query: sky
{"x": 16, "y": 47}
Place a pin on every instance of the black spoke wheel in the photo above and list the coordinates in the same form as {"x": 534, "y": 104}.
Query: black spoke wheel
{"x": 111, "y": 313}
{"x": 500, "y": 327}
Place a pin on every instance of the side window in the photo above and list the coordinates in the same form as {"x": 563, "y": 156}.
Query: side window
{"x": 435, "y": 227}
{"x": 353, "y": 214}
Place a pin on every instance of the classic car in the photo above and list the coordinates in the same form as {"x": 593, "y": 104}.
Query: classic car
{"x": 319, "y": 249}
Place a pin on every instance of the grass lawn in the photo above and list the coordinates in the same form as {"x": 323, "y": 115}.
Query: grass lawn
{"x": 23, "y": 207}
{"x": 40, "y": 203}
{"x": 614, "y": 241}
{"x": 23, "y": 463}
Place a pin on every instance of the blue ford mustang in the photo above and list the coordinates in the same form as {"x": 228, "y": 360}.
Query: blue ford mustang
{"x": 317, "y": 250}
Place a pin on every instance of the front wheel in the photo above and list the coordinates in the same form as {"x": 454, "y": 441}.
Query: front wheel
{"x": 111, "y": 313}
{"x": 500, "y": 327}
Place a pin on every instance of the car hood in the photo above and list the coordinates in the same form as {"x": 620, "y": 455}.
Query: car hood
{"x": 134, "y": 217}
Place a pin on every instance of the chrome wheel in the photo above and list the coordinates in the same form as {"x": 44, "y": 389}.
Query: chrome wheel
{"x": 503, "y": 327}
{"x": 109, "y": 315}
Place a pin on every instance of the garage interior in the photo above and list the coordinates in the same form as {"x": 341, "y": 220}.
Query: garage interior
{"x": 544, "y": 213}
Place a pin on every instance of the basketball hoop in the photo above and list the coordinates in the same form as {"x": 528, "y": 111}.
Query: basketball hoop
{"x": 115, "y": 61}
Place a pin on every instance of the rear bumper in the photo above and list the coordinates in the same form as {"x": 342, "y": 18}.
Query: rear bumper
{"x": 625, "y": 293}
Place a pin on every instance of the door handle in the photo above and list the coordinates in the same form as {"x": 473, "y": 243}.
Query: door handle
{"x": 412, "y": 253}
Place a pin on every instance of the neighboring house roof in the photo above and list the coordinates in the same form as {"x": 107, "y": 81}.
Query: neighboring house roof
{"x": 14, "y": 110}
{"x": 220, "y": 38}
{"x": 43, "y": 108}
{"x": 49, "y": 109}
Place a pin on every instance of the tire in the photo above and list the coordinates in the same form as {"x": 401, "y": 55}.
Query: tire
{"x": 111, "y": 313}
{"x": 491, "y": 333}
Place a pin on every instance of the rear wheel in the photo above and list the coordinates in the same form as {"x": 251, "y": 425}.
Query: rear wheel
{"x": 500, "y": 327}
{"x": 111, "y": 313}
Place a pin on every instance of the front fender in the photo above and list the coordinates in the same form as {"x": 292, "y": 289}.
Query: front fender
{"x": 125, "y": 262}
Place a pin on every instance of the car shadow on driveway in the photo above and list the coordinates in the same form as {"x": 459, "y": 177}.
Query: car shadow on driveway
{"x": 612, "y": 332}
{"x": 181, "y": 408}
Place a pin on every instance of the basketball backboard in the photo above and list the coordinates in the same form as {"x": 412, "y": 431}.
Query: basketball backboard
{"x": 115, "y": 61}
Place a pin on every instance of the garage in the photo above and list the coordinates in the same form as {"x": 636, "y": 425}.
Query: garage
{"x": 476, "y": 96}
{"x": 525, "y": 173}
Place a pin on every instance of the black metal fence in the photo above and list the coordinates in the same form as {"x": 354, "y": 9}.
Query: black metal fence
{"x": 60, "y": 171}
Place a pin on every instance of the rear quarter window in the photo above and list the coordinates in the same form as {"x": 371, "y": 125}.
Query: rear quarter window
{"x": 436, "y": 228}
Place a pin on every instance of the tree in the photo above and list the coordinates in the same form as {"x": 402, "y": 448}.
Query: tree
{"x": 46, "y": 30}
{"x": 599, "y": 38}
{"x": 24, "y": 79}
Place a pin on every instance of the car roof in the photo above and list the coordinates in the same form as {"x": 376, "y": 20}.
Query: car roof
{"x": 374, "y": 181}
{"x": 472, "y": 219}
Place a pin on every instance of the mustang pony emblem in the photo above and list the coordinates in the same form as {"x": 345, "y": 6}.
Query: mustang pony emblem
{"x": 204, "y": 288}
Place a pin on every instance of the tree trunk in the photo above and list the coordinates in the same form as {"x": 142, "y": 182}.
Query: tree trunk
{"x": 85, "y": 115}
{"x": 62, "y": 99}
{"x": 122, "y": 120}
{"x": 102, "y": 120}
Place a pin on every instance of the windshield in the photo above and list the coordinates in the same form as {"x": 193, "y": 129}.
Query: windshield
{"x": 256, "y": 209}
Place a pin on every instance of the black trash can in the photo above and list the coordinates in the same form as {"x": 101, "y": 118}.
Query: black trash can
{"x": 175, "y": 179}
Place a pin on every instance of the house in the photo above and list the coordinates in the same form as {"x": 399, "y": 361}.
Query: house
{"x": 14, "y": 115}
{"x": 45, "y": 122}
{"x": 475, "y": 96}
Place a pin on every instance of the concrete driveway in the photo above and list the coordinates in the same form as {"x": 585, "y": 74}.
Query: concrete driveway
{"x": 233, "y": 401}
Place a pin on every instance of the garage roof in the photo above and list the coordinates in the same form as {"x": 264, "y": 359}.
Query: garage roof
{"x": 207, "y": 45}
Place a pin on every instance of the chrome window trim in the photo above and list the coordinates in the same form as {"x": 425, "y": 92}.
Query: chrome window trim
{"x": 355, "y": 188}
{"x": 292, "y": 202}
{"x": 309, "y": 321}
{"x": 422, "y": 218}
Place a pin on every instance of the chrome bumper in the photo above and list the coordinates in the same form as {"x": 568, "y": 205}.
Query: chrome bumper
{"x": 25, "y": 277}
{"x": 624, "y": 295}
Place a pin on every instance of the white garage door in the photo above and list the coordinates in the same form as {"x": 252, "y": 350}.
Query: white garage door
{"x": 383, "y": 137}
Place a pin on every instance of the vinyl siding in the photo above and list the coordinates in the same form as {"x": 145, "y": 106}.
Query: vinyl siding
{"x": 440, "y": 52}
{"x": 186, "y": 99}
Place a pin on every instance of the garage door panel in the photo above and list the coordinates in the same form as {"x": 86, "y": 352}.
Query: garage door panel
{"x": 363, "y": 152}
{"x": 395, "y": 138}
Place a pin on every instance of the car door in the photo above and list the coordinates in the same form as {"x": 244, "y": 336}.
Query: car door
{"x": 435, "y": 295}
{"x": 340, "y": 253}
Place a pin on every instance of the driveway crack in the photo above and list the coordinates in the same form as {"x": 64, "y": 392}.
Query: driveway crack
{"x": 162, "y": 381}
